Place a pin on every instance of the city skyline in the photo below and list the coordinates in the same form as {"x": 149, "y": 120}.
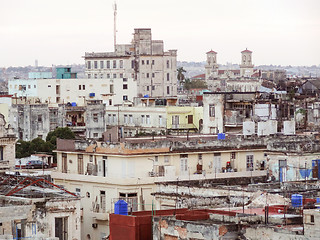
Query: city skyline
{"x": 278, "y": 32}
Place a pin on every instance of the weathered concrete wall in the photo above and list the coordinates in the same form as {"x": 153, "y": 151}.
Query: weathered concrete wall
{"x": 268, "y": 233}
{"x": 165, "y": 228}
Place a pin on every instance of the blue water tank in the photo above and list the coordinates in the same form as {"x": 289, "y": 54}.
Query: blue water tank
{"x": 318, "y": 201}
{"x": 296, "y": 200}
{"x": 146, "y": 96}
{"x": 121, "y": 207}
{"x": 221, "y": 136}
{"x": 73, "y": 104}
{"x": 92, "y": 94}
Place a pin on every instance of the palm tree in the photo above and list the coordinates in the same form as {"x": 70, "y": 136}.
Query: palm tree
{"x": 180, "y": 75}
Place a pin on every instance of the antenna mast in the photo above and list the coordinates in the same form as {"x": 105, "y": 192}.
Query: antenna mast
{"x": 115, "y": 24}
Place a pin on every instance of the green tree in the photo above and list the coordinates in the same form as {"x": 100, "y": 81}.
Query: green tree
{"x": 63, "y": 133}
{"x": 37, "y": 145}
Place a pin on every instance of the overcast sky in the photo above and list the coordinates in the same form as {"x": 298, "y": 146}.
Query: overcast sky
{"x": 279, "y": 32}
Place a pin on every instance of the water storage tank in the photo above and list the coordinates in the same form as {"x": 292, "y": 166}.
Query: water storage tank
{"x": 221, "y": 136}
{"x": 296, "y": 200}
{"x": 121, "y": 207}
{"x": 318, "y": 201}
{"x": 73, "y": 104}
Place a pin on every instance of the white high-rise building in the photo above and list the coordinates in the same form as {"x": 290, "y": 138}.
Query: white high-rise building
{"x": 143, "y": 61}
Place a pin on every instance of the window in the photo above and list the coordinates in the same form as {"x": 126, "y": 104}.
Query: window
{"x": 103, "y": 200}
{"x": 108, "y": 75}
{"x": 80, "y": 164}
{"x": 147, "y": 75}
{"x": 89, "y": 75}
{"x": 83, "y": 87}
{"x": 114, "y": 75}
{"x": 110, "y": 102}
{"x": 168, "y": 90}
{"x": 95, "y": 117}
{"x": 111, "y": 88}
{"x": 101, "y": 65}
{"x": 89, "y": 64}
{"x": 130, "y": 119}
{"x": 121, "y": 63}
{"x": 29, "y": 86}
{"x": 166, "y": 158}
{"x": 125, "y": 118}
{"x": 200, "y": 158}
{"x": 190, "y": 119}
{"x": 249, "y": 162}
{"x": 109, "y": 118}
{"x": 114, "y": 118}
{"x": 121, "y": 75}
{"x": 34, "y": 86}
{"x": 79, "y": 87}
{"x": 101, "y": 75}
{"x": 95, "y": 64}
{"x": 125, "y": 86}
{"x": 125, "y": 97}
{"x": 108, "y": 64}
{"x": 132, "y": 63}
{"x": 125, "y": 79}
{"x": 153, "y": 75}
{"x": 114, "y": 63}
{"x": 147, "y": 88}
{"x": 233, "y": 155}
{"x": 147, "y": 62}
{"x": 95, "y": 135}
{"x": 153, "y": 87}
{"x": 168, "y": 76}
{"x": 39, "y": 118}
{"x": 312, "y": 218}
{"x": 156, "y": 159}
{"x": 148, "y": 119}
{"x": 152, "y": 62}
{"x": 168, "y": 64}
{"x": 23, "y": 87}
{"x": 96, "y": 76}
{"x": 183, "y": 163}
{"x": 160, "y": 120}
{"x": 142, "y": 119}
{"x": 142, "y": 62}
{"x": 211, "y": 110}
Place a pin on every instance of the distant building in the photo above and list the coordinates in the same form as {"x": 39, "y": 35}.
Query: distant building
{"x": 244, "y": 79}
{"x": 7, "y": 146}
{"x": 143, "y": 61}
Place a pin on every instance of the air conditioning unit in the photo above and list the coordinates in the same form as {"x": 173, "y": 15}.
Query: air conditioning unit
{"x": 94, "y": 225}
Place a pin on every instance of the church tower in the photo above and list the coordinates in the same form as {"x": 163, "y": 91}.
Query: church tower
{"x": 246, "y": 66}
{"x": 211, "y": 66}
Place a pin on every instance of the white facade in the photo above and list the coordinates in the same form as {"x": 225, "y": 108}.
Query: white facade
{"x": 137, "y": 119}
{"x": 143, "y": 61}
{"x": 246, "y": 67}
{"x": 111, "y": 91}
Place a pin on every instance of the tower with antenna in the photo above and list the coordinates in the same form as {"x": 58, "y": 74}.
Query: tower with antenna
{"x": 115, "y": 24}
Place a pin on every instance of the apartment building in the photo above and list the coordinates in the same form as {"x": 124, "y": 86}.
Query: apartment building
{"x": 7, "y": 146}
{"x": 229, "y": 111}
{"x": 66, "y": 89}
{"x": 144, "y": 61}
{"x": 102, "y": 173}
{"x": 31, "y": 121}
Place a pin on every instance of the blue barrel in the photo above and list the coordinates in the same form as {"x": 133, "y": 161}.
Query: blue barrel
{"x": 221, "y": 136}
{"x": 73, "y": 104}
{"x": 318, "y": 201}
{"x": 121, "y": 207}
{"x": 296, "y": 200}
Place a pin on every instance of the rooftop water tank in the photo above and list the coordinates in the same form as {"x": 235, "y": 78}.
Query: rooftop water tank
{"x": 73, "y": 104}
{"x": 296, "y": 200}
{"x": 121, "y": 207}
{"x": 221, "y": 136}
